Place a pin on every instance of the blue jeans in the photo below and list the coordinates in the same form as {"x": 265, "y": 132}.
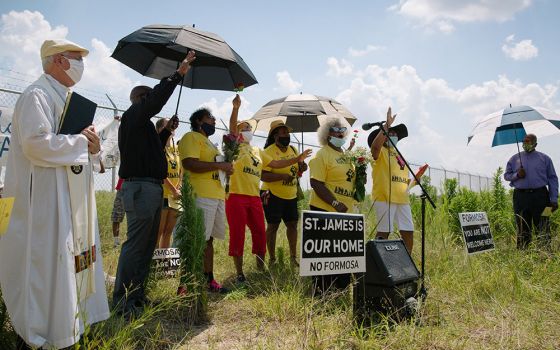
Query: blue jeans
{"x": 142, "y": 204}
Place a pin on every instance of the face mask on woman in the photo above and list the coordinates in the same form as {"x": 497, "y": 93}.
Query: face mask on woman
{"x": 395, "y": 139}
{"x": 336, "y": 142}
{"x": 284, "y": 140}
{"x": 208, "y": 129}
{"x": 247, "y": 136}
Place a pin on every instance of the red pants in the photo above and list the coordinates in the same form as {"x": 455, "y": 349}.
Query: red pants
{"x": 241, "y": 211}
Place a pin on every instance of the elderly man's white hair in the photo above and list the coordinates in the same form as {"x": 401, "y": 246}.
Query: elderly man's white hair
{"x": 323, "y": 131}
{"x": 46, "y": 62}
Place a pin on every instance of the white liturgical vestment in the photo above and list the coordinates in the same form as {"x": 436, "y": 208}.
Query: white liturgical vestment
{"x": 38, "y": 255}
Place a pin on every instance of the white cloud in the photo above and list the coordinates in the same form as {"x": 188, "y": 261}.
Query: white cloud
{"x": 523, "y": 50}
{"x": 21, "y": 37}
{"x": 338, "y": 68}
{"x": 442, "y": 14}
{"x": 440, "y": 117}
{"x": 286, "y": 82}
{"x": 359, "y": 53}
{"x": 103, "y": 73}
{"x": 223, "y": 110}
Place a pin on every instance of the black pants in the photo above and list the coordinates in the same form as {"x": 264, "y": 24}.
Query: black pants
{"x": 528, "y": 206}
{"x": 325, "y": 283}
{"x": 142, "y": 203}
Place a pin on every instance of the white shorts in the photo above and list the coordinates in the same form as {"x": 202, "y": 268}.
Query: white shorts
{"x": 399, "y": 215}
{"x": 214, "y": 217}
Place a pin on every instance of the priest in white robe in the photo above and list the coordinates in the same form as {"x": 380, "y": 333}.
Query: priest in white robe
{"x": 50, "y": 293}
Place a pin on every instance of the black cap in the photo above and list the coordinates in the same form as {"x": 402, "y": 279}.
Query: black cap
{"x": 400, "y": 130}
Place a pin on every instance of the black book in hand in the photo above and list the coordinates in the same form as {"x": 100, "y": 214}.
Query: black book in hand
{"x": 78, "y": 114}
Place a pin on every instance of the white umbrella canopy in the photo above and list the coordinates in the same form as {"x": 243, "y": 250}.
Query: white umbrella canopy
{"x": 511, "y": 125}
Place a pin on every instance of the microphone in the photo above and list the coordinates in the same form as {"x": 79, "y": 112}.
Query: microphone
{"x": 368, "y": 126}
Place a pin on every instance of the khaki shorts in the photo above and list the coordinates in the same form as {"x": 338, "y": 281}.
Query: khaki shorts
{"x": 214, "y": 217}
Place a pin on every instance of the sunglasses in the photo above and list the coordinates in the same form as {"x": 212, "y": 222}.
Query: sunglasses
{"x": 338, "y": 129}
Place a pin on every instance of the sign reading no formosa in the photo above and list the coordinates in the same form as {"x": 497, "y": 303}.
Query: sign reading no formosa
{"x": 332, "y": 243}
{"x": 476, "y": 231}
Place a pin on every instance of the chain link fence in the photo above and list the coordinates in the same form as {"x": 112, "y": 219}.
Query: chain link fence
{"x": 109, "y": 107}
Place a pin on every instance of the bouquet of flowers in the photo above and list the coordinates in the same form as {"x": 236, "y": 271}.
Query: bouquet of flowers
{"x": 230, "y": 149}
{"x": 360, "y": 157}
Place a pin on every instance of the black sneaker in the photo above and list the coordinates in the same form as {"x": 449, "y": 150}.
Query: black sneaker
{"x": 240, "y": 279}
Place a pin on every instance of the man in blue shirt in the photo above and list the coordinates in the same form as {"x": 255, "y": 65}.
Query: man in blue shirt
{"x": 532, "y": 175}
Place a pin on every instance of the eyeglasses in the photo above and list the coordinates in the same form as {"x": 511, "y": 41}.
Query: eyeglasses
{"x": 338, "y": 129}
{"x": 80, "y": 58}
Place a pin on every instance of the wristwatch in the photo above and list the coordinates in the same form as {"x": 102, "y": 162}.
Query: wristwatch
{"x": 335, "y": 203}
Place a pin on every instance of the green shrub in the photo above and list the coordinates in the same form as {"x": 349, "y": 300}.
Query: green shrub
{"x": 191, "y": 241}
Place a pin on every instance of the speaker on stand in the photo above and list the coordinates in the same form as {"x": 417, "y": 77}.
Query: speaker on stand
{"x": 390, "y": 284}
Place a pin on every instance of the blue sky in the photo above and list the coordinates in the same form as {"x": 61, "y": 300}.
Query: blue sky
{"x": 440, "y": 64}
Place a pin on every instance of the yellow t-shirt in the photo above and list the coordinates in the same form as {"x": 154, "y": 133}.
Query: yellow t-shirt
{"x": 282, "y": 189}
{"x": 173, "y": 170}
{"x": 247, "y": 170}
{"x": 398, "y": 182}
{"x": 206, "y": 185}
{"x": 338, "y": 173}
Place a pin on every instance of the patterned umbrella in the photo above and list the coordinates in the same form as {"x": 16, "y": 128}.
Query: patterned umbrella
{"x": 301, "y": 112}
{"x": 512, "y": 124}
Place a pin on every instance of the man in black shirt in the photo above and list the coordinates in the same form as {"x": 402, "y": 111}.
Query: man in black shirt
{"x": 143, "y": 168}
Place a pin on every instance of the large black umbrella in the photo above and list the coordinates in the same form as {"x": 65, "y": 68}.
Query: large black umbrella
{"x": 156, "y": 50}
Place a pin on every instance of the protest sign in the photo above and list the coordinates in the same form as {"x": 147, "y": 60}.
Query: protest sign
{"x": 332, "y": 243}
{"x": 109, "y": 139}
{"x": 166, "y": 262}
{"x": 5, "y": 133}
{"x": 476, "y": 232}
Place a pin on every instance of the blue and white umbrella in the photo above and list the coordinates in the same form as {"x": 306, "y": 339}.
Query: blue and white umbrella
{"x": 511, "y": 125}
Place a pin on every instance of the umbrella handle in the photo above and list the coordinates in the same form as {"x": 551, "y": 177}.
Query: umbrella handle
{"x": 179, "y": 98}
{"x": 518, "y": 151}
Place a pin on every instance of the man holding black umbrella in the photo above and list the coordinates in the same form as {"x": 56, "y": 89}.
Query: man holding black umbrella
{"x": 143, "y": 166}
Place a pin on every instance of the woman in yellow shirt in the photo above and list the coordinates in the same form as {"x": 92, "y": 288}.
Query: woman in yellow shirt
{"x": 171, "y": 189}
{"x": 243, "y": 205}
{"x": 279, "y": 188}
{"x": 332, "y": 180}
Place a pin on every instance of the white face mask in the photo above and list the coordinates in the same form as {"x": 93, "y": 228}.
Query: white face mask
{"x": 395, "y": 139}
{"x": 76, "y": 70}
{"x": 247, "y": 136}
{"x": 336, "y": 142}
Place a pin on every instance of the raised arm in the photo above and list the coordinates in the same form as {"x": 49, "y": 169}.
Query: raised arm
{"x": 380, "y": 139}
{"x": 234, "y": 115}
{"x": 154, "y": 101}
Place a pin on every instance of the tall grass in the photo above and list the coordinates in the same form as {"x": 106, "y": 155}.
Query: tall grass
{"x": 504, "y": 299}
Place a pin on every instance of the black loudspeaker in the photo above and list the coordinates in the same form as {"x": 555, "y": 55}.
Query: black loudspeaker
{"x": 390, "y": 284}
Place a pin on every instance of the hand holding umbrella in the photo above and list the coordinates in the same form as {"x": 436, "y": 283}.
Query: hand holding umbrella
{"x": 186, "y": 63}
